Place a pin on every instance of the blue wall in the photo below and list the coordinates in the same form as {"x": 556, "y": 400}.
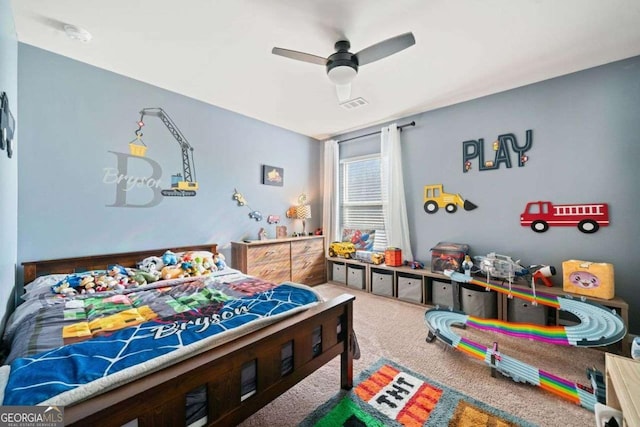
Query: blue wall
{"x": 8, "y": 167}
{"x": 586, "y": 148}
{"x": 75, "y": 116}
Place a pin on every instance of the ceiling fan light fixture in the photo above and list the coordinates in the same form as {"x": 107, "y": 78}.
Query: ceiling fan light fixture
{"x": 342, "y": 65}
{"x": 342, "y": 75}
{"x": 343, "y": 92}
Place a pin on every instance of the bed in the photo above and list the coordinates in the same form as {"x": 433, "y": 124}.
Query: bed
{"x": 277, "y": 354}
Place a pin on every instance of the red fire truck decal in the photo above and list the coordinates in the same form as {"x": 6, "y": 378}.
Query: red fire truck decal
{"x": 587, "y": 217}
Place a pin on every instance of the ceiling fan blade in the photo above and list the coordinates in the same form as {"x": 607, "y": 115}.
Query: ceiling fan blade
{"x": 344, "y": 92}
{"x": 385, "y": 48}
{"x": 300, "y": 56}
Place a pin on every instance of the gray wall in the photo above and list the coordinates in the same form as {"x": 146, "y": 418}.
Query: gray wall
{"x": 74, "y": 116}
{"x": 586, "y": 148}
{"x": 8, "y": 167}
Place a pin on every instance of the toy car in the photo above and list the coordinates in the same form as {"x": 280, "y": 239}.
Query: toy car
{"x": 342, "y": 249}
{"x": 255, "y": 215}
{"x": 414, "y": 264}
{"x": 369, "y": 257}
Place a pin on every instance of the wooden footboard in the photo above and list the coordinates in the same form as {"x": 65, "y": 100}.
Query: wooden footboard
{"x": 160, "y": 398}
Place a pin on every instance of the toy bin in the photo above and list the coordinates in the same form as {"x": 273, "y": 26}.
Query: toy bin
{"x": 520, "y": 311}
{"x": 382, "y": 282}
{"x": 339, "y": 272}
{"x": 448, "y": 256}
{"x": 410, "y": 288}
{"x": 355, "y": 276}
{"x": 446, "y": 294}
{"x": 478, "y": 302}
{"x": 393, "y": 257}
{"x": 594, "y": 279}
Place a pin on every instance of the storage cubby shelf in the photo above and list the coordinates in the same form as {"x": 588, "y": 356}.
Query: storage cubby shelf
{"x": 424, "y": 287}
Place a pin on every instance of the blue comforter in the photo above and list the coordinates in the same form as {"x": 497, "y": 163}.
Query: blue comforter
{"x": 187, "y": 317}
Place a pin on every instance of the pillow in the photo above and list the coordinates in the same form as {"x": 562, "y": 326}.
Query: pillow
{"x": 40, "y": 286}
{"x": 362, "y": 239}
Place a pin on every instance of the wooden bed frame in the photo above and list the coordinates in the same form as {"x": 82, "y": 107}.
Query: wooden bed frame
{"x": 159, "y": 398}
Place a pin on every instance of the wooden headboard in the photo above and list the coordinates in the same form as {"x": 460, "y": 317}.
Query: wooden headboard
{"x": 33, "y": 269}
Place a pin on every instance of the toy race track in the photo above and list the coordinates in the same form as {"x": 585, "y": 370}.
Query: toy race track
{"x": 599, "y": 326}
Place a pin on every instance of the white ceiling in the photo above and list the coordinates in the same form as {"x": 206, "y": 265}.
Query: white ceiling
{"x": 220, "y": 51}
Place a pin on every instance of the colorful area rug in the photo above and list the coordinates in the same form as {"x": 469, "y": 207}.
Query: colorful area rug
{"x": 387, "y": 394}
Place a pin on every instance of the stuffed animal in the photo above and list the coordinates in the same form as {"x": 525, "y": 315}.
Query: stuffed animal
{"x": 218, "y": 260}
{"x": 205, "y": 263}
{"x": 198, "y": 266}
{"x": 64, "y": 289}
{"x": 172, "y": 272}
{"x": 152, "y": 264}
{"x": 142, "y": 277}
{"x": 169, "y": 258}
{"x": 117, "y": 270}
{"x": 87, "y": 285}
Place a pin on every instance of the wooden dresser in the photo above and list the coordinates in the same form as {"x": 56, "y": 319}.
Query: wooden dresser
{"x": 296, "y": 259}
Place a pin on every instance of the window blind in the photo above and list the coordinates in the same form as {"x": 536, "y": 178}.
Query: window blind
{"x": 361, "y": 197}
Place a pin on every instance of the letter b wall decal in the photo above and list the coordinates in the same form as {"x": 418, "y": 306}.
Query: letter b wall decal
{"x": 126, "y": 184}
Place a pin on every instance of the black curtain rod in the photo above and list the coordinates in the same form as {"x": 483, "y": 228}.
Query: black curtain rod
{"x": 375, "y": 133}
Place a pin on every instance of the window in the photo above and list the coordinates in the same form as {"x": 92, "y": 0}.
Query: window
{"x": 361, "y": 197}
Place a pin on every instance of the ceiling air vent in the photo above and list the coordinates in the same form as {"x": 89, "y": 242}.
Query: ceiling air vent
{"x": 352, "y": 104}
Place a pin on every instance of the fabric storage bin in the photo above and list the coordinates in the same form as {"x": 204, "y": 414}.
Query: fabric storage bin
{"x": 445, "y": 294}
{"x": 410, "y": 288}
{"x": 339, "y": 272}
{"x": 382, "y": 282}
{"x": 520, "y": 311}
{"x": 479, "y": 303}
{"x": 355, "y": 276}
{"x": 594, "y": 279}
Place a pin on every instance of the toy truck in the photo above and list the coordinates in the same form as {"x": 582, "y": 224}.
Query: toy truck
{"x": 435, "y": 198}
{"x": 587, "y": 217}
{"x": 342, "y": 249}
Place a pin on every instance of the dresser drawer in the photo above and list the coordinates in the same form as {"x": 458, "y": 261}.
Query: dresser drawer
{"x": 270, "y": 273}
{"x": 313, "y": 248}
{"x": 270, "y": 262}
{"x": 311, "y": 275}
{"x": 268, "y": 254}
{"x": 308, "y": 262}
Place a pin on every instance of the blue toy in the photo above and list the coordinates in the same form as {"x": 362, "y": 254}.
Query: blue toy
{"x": 255, "y": 215}
{"x": 169, "y": 258}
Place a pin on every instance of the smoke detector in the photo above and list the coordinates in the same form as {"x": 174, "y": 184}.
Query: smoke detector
{"x": 77, "y": 33}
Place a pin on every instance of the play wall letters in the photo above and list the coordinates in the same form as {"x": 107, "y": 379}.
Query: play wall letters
{"x": 475, "y": 149}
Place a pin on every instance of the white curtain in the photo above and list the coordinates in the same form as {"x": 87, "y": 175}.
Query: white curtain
{"x": 330, "y": 202}
{"x": 394, "y": 207}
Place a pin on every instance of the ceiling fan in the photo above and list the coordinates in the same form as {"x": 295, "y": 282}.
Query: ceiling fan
{"x": 342, "y": 66}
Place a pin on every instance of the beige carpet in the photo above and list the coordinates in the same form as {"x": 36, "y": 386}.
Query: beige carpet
{"x": 396, "y": 330}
